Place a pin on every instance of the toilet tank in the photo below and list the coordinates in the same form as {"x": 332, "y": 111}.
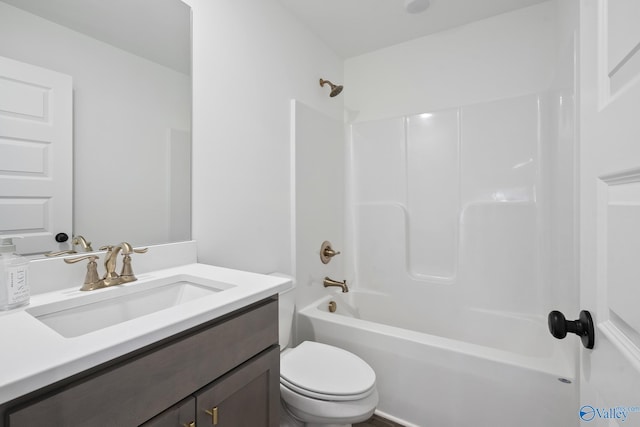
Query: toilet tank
{"x": 286, "y": 309}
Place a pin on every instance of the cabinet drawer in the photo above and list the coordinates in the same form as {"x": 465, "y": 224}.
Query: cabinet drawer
{"x": 133, "y": 391}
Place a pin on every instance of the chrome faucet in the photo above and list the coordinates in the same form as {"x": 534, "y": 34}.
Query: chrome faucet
{"x": 110, "y": 278}
{"x": 330, "y": 282}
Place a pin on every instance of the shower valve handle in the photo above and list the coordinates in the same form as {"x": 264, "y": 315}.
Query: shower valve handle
{"x": 327, "y": 252}
{"x": 583, "y": 327}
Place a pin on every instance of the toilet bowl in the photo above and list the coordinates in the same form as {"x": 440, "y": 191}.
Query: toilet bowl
{"x": 321, "y": 385}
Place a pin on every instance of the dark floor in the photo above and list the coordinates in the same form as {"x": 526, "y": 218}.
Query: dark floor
{"x": 377, "y": 421}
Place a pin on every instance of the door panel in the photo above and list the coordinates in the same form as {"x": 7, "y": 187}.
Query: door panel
{"x": 35, "y": 155}
{"x": 610, "y": 209}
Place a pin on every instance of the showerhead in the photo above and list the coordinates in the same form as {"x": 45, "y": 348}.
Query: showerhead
{"x": 335, "y": 89}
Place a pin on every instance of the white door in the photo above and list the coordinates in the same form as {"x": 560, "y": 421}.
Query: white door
{"x": 35, "y": 155}
{"x": 610, "y": 210}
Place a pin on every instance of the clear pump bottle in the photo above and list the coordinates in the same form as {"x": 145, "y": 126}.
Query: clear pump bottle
{"x": 14, "y": 276}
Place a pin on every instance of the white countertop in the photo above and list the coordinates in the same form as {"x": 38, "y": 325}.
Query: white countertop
{"x": 33, "y": 355}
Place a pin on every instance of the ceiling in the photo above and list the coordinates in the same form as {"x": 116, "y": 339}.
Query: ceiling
{"x": 349, "y": 27}
{"x": 354, "y": 27}
{"x": 159, "y": 30}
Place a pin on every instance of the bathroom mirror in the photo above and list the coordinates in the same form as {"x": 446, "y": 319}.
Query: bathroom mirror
{"x": 130, "y": 61}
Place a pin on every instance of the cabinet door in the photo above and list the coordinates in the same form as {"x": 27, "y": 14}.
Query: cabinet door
{"x": 248, "y": 396}
{"x": 182, "y": 414}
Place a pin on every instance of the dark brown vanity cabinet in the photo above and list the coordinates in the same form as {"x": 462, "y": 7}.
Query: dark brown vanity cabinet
{"x": 224, "y": 373}
{"x": 235, "y": 400}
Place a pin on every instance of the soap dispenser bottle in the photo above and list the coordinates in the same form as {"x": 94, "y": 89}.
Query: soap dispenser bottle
{"x": 14, "y": 284}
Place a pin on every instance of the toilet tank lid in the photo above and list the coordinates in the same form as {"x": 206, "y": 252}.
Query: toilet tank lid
{"x": 327, "y": 370}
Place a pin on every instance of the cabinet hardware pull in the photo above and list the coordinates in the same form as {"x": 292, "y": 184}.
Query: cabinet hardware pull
{"x": 191, "y": 424}
{"x": 214, "y": 415}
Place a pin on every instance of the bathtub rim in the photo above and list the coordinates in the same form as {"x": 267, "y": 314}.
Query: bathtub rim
{"x": 559, "y": 363}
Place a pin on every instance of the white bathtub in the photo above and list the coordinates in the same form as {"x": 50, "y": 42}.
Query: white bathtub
{"x": 440, "y": 368}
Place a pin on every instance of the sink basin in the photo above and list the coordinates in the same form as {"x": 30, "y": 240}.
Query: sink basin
{"x": 97, "y": 310}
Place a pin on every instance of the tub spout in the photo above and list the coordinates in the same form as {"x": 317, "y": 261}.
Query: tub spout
{"x": 330, "y": 282}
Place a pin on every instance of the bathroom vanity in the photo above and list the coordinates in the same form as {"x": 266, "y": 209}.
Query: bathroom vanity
{"x": 209, "y": 374}
{"x": 213, "y": 360}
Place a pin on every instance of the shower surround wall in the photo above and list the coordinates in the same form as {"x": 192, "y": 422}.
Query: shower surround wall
{"x": 450, "y": 205}
{"x": 461, "y": 172}
{"x": 474, "y": 125}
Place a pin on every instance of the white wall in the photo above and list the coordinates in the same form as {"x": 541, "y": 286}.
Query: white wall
{"x": 319, "y": 153}
{"x": 500, "y": 57}
{"x": 123, "y": 108}
{"x": 246, "y": 73}
{"x": 251, "y": 58}
{"x": 522, "y": 58}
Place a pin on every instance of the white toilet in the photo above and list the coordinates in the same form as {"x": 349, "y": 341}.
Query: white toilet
{"x": 321, "y": 385}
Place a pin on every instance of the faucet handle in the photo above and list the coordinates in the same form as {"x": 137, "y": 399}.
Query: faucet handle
{"x": 327, "y": 252}
{"x": 67, "y": 252}
{"x": 91, "y": 279}
{"x": 126, "y": 275}
{"x": 126, "y": 249}
{"x": 91, "y": 258}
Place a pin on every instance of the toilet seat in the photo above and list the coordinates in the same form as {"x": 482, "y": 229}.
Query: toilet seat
{"x": 324, "y": 372}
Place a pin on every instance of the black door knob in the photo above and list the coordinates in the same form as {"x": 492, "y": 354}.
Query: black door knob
{"x": 583, "y": 327}
{"x": 61, "y": 237}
